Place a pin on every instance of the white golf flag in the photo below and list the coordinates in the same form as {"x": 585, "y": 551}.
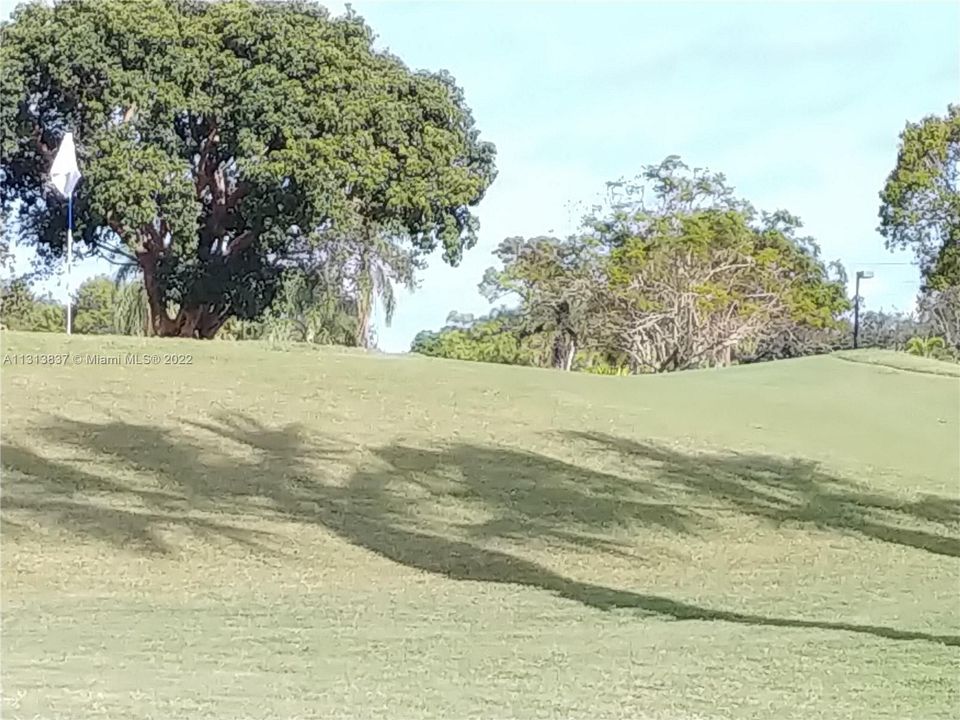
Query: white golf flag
{"x": 64, "y": 174}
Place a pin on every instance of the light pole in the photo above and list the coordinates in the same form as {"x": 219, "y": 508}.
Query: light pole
{"x": 861, "y": 275}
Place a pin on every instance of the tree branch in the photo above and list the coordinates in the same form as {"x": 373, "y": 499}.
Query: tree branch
{"x": 45, "y": 152}
{"x": 242, "y": 242}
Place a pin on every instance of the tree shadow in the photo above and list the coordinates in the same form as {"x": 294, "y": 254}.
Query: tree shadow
{"x": 96, "y": 508}
{"x": 795, "y": 491}
{"x": 211, "y": 477}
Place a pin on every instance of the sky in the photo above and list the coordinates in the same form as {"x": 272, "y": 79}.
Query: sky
{"x": 800, "y": 105}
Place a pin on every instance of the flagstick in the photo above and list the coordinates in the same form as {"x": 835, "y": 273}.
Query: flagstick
{"x": 69, "y": 255}
{"x": 64, "y": 175}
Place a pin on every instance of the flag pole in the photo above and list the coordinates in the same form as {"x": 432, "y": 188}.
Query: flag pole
{"x": 64, "y": 176}
{"x": 69, "y": 256}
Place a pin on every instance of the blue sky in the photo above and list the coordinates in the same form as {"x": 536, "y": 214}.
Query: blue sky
{"x": 799, "y": 104}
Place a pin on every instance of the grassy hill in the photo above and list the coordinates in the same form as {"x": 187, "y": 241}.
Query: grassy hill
{"x": 277, "y": 534}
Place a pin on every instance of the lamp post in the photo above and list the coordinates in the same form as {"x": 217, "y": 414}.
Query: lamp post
{"x": 861, "y": 275}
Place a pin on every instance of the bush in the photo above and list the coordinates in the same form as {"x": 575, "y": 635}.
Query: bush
{"x": 931, "y": 347}
{"x": 20, "y": 309}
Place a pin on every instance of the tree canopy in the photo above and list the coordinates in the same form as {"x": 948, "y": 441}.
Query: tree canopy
{"x": 695, "y": 274}
{"x": 920, "y": 203}
{"x": 495, "y": 338}
{"x": 555, "y": 281}
{"x": 220, "y": 140}
{"x": 21, "y": 309}
{"x": 94, "y": 306}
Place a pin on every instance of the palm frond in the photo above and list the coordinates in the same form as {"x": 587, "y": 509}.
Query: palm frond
{"x": 126, "y": 272}
{"x": 131, "y": 311}
{"x": 389, "y": 300}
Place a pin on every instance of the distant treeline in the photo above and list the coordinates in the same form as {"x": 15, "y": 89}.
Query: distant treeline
{"x": 305, "y": 310}
{"x": 500, "y": 338}
{"x": 674, "y": 273}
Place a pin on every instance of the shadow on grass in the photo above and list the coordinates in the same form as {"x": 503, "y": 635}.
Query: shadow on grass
{"x": 795, "y": 491}
{"x": 95, "y": 508}
{"x": 209, "y": 477}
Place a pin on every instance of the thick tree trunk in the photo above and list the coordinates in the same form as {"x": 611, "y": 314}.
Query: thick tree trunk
{"x": 163, "y": 324}
{"x": 198, "y": 321}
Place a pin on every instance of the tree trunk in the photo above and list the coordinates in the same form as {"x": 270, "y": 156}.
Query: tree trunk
{"x": 362, "y": 335}
{"x": 571, "y": 354}
{"x": 564, "y": 350}
{"x": 163, "y": 324}
{"x": 364, "y": 299}
{"x": 556, "y": 360}
{"x": 196, "y": 321}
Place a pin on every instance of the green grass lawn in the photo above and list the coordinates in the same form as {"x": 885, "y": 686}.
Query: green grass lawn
{"x": 280, "y": 534}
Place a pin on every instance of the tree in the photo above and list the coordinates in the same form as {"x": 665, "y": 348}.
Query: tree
{"x": 555, "y": 281}
{"x": 131, "y": 309}
{"x": 794, "y": 342}
{"x": 940, "y": 312}
{"x": 95, "y": 307}
{"x": 20, "y": 309}
{"x": 492, "y": 338}
{"x": 675, "y": 272}
{"x": 888, "y": 330}
{"x": 696, "y": 275}
{"x": 381, "y": 264}
{"x": 339, "y": 277}
{"x": 6, "y": 256}
{"x": 216, "y": 137}
{"x": 16, "y": 304}
{"x": 310, "y": 310}
{"x": 920, "y": 203}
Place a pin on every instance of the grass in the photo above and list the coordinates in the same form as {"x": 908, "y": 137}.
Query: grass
{"x": 265, "y": 534}
{"x": 902, "y": 361}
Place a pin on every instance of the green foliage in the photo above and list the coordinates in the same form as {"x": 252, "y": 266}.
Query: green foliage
{"x": 675, "y": 272}
{"x": 601, "y": 366}
{"x": 131, "y": 309}
{"x": 602, "y": 362}
{"x": 216, "y": 138}
{"x": 940, "y": 314}
{"x": 555, "y": 281}
{"x": 620, "y": 371}
{"x": 929, "y": 347}
{"x": 95, "y": 304}
{"x": 698, "y": 277}
{"x": 888, "y": 330}
{"x": 920, "y": 203}
{"x": 21, "y": 309}
{"x": 6, "y": 257}
{"x": 235, "y": 329}
{"x": 369, "y": 271}
{"x": 791, "y": 341}
{"x": 495, "y": 338}
{"x": 308, "y": 310}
